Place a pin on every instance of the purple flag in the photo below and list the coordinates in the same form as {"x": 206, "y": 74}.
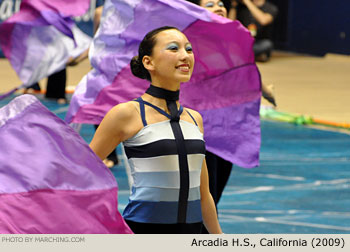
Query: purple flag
{"x": 51, "y": 181}
{"x": 39, "y": 39}
{"x": 225, "y": 86}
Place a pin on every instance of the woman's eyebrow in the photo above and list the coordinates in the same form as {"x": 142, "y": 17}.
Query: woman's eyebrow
{"x": 173, "y": 42}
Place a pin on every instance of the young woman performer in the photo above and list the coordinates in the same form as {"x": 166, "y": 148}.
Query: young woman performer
{"x": 163, "y": 142}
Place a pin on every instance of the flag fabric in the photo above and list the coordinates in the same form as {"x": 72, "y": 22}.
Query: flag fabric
{"x": 51, "y": 181}
{"x": 225, "y": 86}
{"x": 39, "y": 39}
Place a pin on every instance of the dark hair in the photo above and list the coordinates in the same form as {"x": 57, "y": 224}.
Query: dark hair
{"x": 195, "y": 1}
{"x": 146, "y": 48}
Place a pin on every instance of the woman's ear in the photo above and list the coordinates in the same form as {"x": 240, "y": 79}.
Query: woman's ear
{"x": 148, "y": 63}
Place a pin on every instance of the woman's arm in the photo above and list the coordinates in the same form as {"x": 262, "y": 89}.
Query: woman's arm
{"x": 84, "y": 55}
{"x": 97, "y": 17}
{"x": 75, "y": 61}
{"x": 209, "y": 214}
{"x": 119, "y": 124}
{"x": 232, "y": 13}
{"x": 263, "y": 18}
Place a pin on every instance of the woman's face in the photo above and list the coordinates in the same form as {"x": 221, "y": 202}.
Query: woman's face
{"x": 215, "y": 6}
{"x": 172, "y": 58}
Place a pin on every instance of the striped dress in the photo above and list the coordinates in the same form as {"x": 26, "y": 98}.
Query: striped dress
{"x": 154, "y": 163}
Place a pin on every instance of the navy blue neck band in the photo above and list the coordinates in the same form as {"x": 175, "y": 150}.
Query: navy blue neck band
{"x": 163, "y": 93}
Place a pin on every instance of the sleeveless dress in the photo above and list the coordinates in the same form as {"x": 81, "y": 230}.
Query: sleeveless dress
{"x": 153, "y": 158}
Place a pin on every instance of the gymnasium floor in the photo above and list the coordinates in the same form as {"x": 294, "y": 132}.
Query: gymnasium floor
{"x": 301, "y": 186}
{"x": 303, "y": 182}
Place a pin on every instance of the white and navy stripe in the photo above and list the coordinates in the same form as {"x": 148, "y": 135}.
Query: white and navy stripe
{"x": 154, "y": 163}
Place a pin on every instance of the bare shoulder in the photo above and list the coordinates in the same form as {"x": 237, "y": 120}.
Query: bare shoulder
{"x": 194, "y": 113}
{"x": 197, "y": 117}
{"x": 123, "y": 111}
{"x": 123, "y": 120}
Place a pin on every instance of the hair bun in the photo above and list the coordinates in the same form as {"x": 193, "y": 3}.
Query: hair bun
{"x": 137, "y": 68}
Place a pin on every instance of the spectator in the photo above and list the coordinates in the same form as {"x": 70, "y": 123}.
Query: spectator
{"x": 258, "y": 16}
